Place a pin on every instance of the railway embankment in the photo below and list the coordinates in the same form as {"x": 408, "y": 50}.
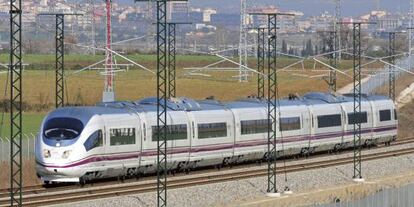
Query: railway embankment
{"x": 405, "y": 97}
{"x": 338, "y": 194}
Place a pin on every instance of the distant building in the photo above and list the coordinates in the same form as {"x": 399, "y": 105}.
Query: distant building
{"x": 178, "y": 7}
{"x": 229, "y": 20}
{"x": 384, "y": 21}
{"x": 207, "y": 13}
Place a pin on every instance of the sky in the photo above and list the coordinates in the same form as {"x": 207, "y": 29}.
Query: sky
{"x": 313, "y": 7}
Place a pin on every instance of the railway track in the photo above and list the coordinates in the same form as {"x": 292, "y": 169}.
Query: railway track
{"x": 38, "y": 195}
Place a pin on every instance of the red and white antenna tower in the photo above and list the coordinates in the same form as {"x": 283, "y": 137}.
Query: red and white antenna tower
{"x": 108, "y": 94}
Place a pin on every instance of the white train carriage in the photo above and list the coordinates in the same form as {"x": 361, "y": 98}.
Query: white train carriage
{"x": 120, "y": 138}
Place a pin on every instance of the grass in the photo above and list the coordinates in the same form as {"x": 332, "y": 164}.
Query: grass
{"x": 86, "y": 88}
{"x": 31, "y": 123}
{"x": 74, "y": 61}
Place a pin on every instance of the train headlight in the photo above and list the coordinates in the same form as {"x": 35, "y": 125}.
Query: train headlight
{"x": 46, "y": 153}
{"x": 66, "y": 154}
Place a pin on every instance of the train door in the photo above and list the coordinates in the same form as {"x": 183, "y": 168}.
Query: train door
{"x": 104, "y": 141}
{"x": 178, "y": 138}
{"x": 140, "y": 129}
{"x": 142, "y": 139}
{"x": 191, "y": 129}
{"x": 193, "y": 126}
{"x": 344, "y": 123}
{"x": 371, "y": 115}
{"x": 311, "y": 123}
{"x": 233, "y": 130}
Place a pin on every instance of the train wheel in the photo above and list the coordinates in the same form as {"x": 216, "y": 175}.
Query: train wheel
{"x": 218, "y": 166}
{"x": 82, "y": 182}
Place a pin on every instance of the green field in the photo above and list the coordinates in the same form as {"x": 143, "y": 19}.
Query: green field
{"x": 77, "y": 61}
{"x": 31, "y": 123}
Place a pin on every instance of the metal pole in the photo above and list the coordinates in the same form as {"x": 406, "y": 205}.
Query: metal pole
{"x": 171, "y": 60}
{"x": 410, "y": 32}
{"x": 337, "y": 28}
{"x": 60, "y": 54}
{"x": 333, "y": 60}
{"x": 162, "y": 95}
{"x": 272, "y": 104}
{"x": 391, "y": 76}
{"x": 162, "y": 103}
{"x": 261, "y": 62}
{"x": 108, "y": 94}
{"x": 357, "y": 99}
{"x": 15, "y": 65}
{"x": 243, "y": 42}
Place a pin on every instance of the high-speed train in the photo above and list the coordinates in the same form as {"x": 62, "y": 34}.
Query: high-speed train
{"x": 77, "y": 144}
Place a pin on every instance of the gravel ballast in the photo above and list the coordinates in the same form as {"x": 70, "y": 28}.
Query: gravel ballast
{"x": 234, "y": 192}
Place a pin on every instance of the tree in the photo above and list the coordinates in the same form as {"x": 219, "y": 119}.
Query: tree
{"x": 284, "y": 47}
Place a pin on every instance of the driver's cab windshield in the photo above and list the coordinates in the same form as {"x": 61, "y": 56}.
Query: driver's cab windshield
{"x": 62, "y": 128}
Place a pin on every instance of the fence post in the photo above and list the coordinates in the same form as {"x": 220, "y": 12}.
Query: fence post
{"x": 7, "y": 144}
{"x": 1, "y": 149}
{"x": 27, "y": 145}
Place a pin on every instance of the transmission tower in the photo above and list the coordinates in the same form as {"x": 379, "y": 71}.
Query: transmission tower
{"x": 391, "y": 75}
{"x": 172, "y": 26}
{"x": 357, "y": 100}
{"x": 108, "y": 94}
{"x": 243, "y": 42}
{"x": 357, "y": 96}
{"x": 162, "y": 96}
{"x": 410, "y": 32}
{"x": 261, "y": 56}
{"x": 15, "y": 71}
{"x": 91, "y": 17}
{"x": 272, "y": 102}
{"x": 60, "y": 55}
{"x": 333, "y": 60}
{"x": 337, "y": 28}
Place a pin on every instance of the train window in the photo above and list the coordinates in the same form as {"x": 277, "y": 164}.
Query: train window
{"x": 254, "y": 126}
{"x": 174, "y": 132}
{"x": 62, "y": 128}
{"x": 212, "y": 130}
{"x": 289, "y": 123}
{"x": 122, "y": 136}
{"x": 95, "y": 140}
{"x": 385, "y": 115}
{"x": 329, "y": 120}
{"x": 357, "y": 118}
{"x": 395, "y": 114}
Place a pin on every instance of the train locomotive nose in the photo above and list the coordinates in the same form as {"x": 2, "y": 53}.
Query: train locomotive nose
{"x": 55, "y": 174}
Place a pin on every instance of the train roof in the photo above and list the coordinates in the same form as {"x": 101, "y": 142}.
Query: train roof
{"x": 187, "y": 104}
